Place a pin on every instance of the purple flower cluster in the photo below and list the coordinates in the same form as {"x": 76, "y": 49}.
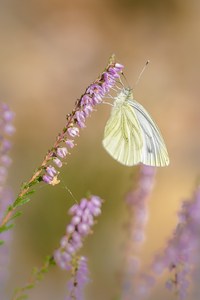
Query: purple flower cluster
{"x": 5, "y": 199}
{"x": 94, "y": 95}
{"x": 6, "y": 130}
{"x": 180, "y": 256}
{"x": 83, "y": 216}
{"x": 78, "y": 281}
{"x": 137, "y": 203}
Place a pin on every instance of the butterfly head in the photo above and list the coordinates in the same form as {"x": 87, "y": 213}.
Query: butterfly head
{"x": 128, "y": 92}
{"x": 125, "y": 94}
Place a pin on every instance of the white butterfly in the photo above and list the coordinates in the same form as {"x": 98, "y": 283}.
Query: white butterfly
{"x": 131, "y": 136}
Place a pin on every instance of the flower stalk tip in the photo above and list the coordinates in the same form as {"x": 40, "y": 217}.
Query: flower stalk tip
{"x": 93, "y": 96}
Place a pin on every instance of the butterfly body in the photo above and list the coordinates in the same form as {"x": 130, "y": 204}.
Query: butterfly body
{"x": 131, "y": 136}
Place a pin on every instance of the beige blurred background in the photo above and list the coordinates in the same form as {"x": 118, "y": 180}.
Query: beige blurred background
{"x": 50, "y": 51}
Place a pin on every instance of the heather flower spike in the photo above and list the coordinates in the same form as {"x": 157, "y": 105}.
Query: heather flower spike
{"x": 6, "y": 198}
{"x": 180, "y": 258}
{"x": 83, "y": 218}
{"x": 94, "y": 95}
{"x": 137, "y": 204}
{"x": 6, "y": 130}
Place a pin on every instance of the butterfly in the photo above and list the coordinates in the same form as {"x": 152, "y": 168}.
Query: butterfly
{"x": 131, "y": 136}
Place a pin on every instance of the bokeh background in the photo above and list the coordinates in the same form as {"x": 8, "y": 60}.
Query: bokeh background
{"x": 50, "y": 51}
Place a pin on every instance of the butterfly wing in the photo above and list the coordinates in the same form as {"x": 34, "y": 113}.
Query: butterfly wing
{"x": 122, "y": 135}
{"x": 154, "y": 152}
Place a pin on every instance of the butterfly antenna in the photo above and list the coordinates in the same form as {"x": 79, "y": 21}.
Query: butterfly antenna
{"x": 140, "y": 75}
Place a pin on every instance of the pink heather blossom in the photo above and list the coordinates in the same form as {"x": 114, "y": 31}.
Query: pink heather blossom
{"x": 86, "y": 99}
{"x": 53, "y": 180}
{"x": 7, "y": 114}
{"x": 47, "y": 178}
{"x": 73, "y": 131}
{"x": 50, "y": 176}
{"x": 109, "y": 80}
{"x": 51, "y": 171}
{"x": 62, "y": 152}
{"x": 80, "y": 117}
{"x": 70, "y": 143}
{"x": 96, "y": 89}
{"x": 87, "y": 109}
{"x": 97, "y": 93}
{"x": 9, "y": 129}
{"x": 6, "y": 160}
{"x": 6, "y": 145}
{"x": 57, "y": 162}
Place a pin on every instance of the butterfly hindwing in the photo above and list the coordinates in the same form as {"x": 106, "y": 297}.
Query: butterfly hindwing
{"x": 122, "y": 135}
